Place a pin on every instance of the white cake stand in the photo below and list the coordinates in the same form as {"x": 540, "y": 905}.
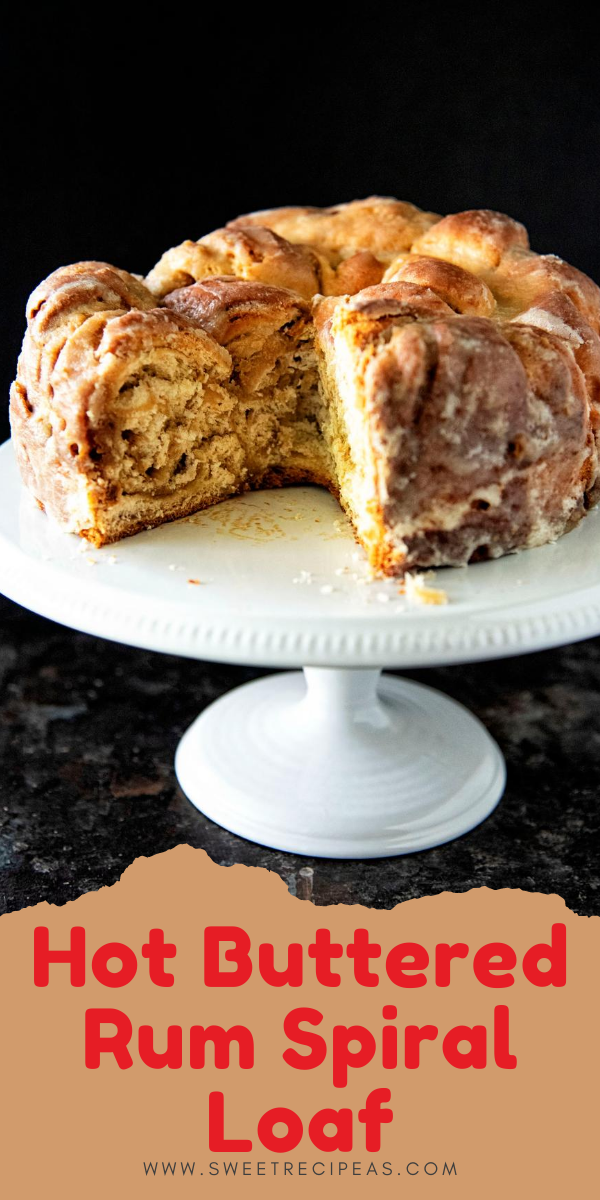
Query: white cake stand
{"x": 340, "y": 762}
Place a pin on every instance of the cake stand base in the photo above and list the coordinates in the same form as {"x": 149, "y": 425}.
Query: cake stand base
{"x": 340, "y": 763}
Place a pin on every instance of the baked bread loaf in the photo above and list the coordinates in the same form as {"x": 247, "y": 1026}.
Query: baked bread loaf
{"x": 434, "y": 373}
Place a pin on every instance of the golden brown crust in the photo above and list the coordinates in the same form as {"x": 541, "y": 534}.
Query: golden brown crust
{"x": 359, "y": 271}
{"x": 398, "y": 299}
{"x": 255, "y": 254}
{"x": 556, "y": 313}
{"x": 521, "y": 280}
{"x": 476, "y": 240}
{"x": 227, "y": 307}
{"x": 82, "y": 288}
{"x": 375, "y": 308}
{"x": 381, "y": 225}
{"x": 462, "y": 290}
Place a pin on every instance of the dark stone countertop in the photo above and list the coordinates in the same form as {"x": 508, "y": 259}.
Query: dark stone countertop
{"x": 88, "y": 730}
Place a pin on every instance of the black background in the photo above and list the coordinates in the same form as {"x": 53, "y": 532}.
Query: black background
{"x": 117, "y": 151}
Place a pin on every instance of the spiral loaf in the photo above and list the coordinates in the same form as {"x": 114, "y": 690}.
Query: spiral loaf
{"x": 436, "y": 374}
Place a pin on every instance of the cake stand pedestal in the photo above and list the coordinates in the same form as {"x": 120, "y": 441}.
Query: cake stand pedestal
{"x": 339, "y": 761}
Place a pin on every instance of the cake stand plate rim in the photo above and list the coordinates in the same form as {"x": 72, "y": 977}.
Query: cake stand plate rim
{"x": 277, "y": 639}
